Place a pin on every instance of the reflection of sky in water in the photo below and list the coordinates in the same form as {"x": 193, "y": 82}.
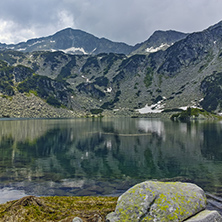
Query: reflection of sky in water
{"x": 155, "y": 126}
{"x": 8, "y": 194}
{"x": 183, "y": 127}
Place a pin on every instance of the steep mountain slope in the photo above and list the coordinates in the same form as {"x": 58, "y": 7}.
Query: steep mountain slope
{"x": 71, "y": 41}
{"x": 186, "y": 64}
{"x": 17, "y": 80}
{"x": 188, "y": 73}
{"x": 159, "y": 40}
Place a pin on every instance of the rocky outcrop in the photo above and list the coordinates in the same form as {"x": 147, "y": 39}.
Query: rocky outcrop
{"x": 162, "y": 201}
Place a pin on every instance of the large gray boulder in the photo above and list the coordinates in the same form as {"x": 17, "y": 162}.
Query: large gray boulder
{"x": 206, "y": 216}
{"x": 159, "y": 202}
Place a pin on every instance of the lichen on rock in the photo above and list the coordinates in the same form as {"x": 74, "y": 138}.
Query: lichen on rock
{"x": 206, "y": 216}
{"x": 159, "y": 201}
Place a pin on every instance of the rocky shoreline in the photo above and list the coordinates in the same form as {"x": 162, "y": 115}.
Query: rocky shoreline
{"x": 148, "y": 200}
{"x": 27, "y": 105}
{"x": 23, "y": 105}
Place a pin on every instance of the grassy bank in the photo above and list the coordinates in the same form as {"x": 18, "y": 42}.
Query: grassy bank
{"x": 63, "y": 209}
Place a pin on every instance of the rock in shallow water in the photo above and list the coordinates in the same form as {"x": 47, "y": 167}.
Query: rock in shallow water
{"x": 159, "y": 201}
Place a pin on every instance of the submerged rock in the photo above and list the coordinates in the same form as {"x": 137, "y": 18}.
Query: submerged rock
{"x": 159, "y": 201}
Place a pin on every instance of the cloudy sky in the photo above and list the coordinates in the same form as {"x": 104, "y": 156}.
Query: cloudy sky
{"x": 130, "y": 21}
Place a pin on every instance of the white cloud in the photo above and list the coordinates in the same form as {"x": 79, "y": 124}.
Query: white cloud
{"x": 130, "y": 21}
{"x": 65, "y": 19}
{"x": 6, "y": 35}
{"x": 11, "y": 32}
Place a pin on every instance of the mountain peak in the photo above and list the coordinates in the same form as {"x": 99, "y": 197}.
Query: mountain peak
{"x": 71, "y": 31}
{"x": 169, "y": 36}
{"x": 159, "y": 40}
{"x": 72, "y": 41}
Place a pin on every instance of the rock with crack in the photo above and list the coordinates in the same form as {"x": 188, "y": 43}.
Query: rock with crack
{"x": 159, "y": 201}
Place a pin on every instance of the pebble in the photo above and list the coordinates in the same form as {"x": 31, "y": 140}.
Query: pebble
{"x": 77, "y": 219}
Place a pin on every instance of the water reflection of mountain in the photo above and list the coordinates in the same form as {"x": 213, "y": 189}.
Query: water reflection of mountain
{"x": 108, "y": 149}
{"x": 21, "y": 130}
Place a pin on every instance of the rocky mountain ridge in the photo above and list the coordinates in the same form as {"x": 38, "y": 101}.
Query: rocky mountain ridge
{"x": 73, "y": 41}
{"x": 159, "y": 40}
{"x": 187, "y": 73}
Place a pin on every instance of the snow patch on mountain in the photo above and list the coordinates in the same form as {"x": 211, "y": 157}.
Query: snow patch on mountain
{"x": 74, "y": 50}
{"x": 94, "y": 50}
{"x": 22, "y": 49}
{"x": 109, "y": 90}
{"x": 194, "y": 104}
{"x": 87, "y": 80}
{"x": 154, "y": 108}
{"x": 37, "y": 42}
{"x": 163, "y": 46}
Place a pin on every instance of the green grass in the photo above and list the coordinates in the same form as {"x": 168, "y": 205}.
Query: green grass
{"x": 149, "y": 77}
{"x": 194, "y": 112}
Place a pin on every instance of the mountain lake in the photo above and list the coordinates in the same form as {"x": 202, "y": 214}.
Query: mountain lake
{"x": 105, "y": 157}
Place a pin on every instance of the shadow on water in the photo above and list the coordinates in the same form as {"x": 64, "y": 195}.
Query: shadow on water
{"x": 106, "y": 157}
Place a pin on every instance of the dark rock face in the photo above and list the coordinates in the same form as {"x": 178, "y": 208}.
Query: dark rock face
{"x": 48, "y": 89}
{"x": 23, "y": 79}
{"x": 211, "y": 87}
{"x": 189, "y": 51}
{"x": 21, "y": 73}
{"x": 91, "y": 90}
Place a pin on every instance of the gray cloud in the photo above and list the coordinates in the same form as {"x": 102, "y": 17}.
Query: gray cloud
{"x": 129, "y": 21}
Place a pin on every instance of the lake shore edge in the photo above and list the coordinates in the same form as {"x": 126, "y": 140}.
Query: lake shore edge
{"x": 63, "y": 208}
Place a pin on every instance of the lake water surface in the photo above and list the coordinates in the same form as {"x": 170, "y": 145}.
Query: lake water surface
{"x": 105, "y": 156}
